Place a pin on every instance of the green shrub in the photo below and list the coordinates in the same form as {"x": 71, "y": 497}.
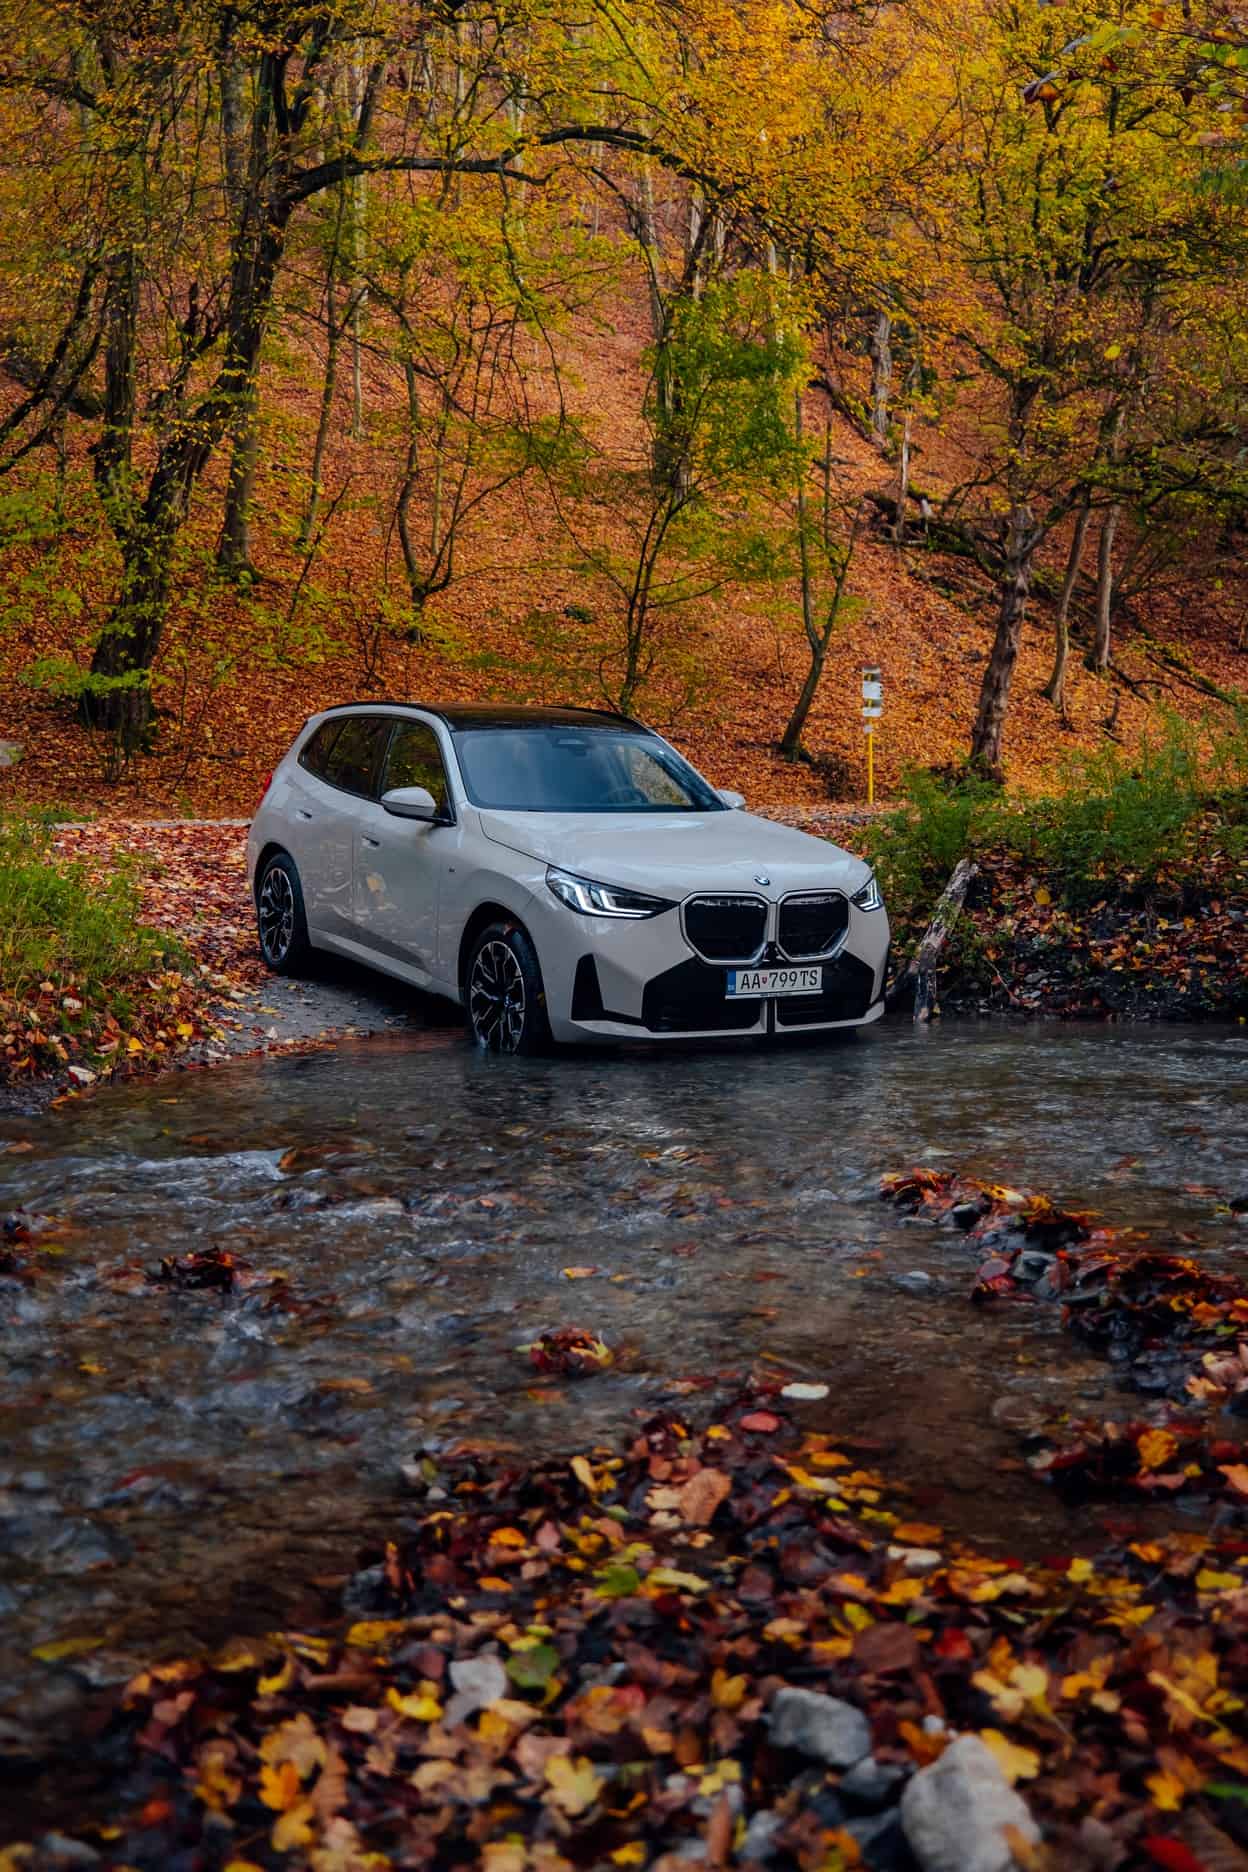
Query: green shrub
{"x": 58, "y": 923}
{"x": 1177, "y": 805}
{"x": 915, "y": 848}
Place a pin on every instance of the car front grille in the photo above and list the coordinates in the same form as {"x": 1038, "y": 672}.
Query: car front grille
{"x": 726, "y": 929}
{"x": 691, "y": 998}
{"x": 812, "y": 924}
{"x": 845, "y": 996}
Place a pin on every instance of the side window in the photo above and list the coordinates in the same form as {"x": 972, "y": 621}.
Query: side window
{"x": 415, "y": 759}
{"x": 353, "y": 758}
{"x": 316, "y": 753}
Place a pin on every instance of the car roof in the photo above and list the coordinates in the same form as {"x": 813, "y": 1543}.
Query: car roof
{"x": 505, "y": 715}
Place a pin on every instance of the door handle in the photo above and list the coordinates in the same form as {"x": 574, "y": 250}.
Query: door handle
{"x": 303, "y": 813}
{"x": 375, "y": 843}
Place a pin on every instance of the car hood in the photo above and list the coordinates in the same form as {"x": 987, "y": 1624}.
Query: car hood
{"x": 676, "y": 854}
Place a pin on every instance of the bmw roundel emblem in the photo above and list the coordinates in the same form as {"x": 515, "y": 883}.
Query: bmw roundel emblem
{"x": 761, "y": 878}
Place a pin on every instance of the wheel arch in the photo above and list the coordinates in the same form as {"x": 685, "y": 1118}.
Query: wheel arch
{"x": 270, "y": 850}
{"x": 481, "y": 919}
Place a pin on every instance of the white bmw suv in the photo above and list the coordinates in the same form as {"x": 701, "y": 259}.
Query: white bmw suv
{"x": 563, "y": 873}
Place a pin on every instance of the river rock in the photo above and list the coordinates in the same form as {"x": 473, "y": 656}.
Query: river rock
{"x": 759, "y": 1843}
{"x": 823, "y": 1727}
{"x": 10, "y": 753}
{"x": 871, "y": 1785}
{"x": 955, "y": 1812}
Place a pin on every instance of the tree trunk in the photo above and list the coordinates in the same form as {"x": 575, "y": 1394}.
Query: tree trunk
{"x": 791, "y": 740}
{"x": 903, "y": 485}
{"x": 131, "y": 638}
{"x": 122, "y": 701}
{"x": 1055, "y": 689}
{"x": 994, "y": 693}
{"x": 881, "y": 376}
{"x": 1104, "y": 588}
{"x": 919, "y": 973}
{"x": 234, "y": 546}
{"x": 333, "y": 334}
{"x": 416, "y": 583}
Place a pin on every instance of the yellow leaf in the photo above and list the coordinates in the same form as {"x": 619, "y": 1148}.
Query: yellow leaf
{"x": 371, "y": 1632}
{"x": 418, "y": 1708}
{"x": 184, "y": 1031}
{"x": 507, "y": 1855}
{"x": 1209, "y": 1581}
{"x": 1015, "y": 1762}
{"x": 1042, "y": 894}
{"x": 634, "y": 1854}
{"x": 728, "y": 1692}
{"x": 65, "y": 1647}
{"x": 510, "y": 1536}
{"x": 133, "y": 1045}
{"x": 574, "y": 1785}
{"x": 584, "y": 1474}
{"x": 243, "y": 1865}
{"x": 670, "y": 1580}
{"x": 1113, "y": 351}
{"x": 1167, "y": 1791}
{"x": 1031, "y": 1679}
{"x": 1156, "y": 1447}
{"x": 278, "y": 1680}
{"x": 279, "y": 1786}
{"x": 1079, "y": 1570}
{"x": 293, "y": 1828}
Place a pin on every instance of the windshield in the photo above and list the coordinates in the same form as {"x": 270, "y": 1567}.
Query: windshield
{"x": 579, "y": 770}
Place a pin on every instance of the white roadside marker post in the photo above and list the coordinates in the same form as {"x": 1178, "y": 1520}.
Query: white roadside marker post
{"x": 872, "y": 710}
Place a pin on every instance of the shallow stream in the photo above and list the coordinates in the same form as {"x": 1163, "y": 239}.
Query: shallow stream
{"x": 175, "y": 1465}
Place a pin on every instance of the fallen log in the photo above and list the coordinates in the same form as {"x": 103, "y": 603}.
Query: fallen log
{"x": 919, "y": 974}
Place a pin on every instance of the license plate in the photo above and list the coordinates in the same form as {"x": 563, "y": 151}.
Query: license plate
{"x": 773, "y": 981}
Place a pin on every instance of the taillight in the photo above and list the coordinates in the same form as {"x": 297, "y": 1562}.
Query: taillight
{"x": 264, "y": 789}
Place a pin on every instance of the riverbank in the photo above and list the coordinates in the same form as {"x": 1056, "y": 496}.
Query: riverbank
{"x": 696, "y": 1648}
{"x": 1174, "y": 950}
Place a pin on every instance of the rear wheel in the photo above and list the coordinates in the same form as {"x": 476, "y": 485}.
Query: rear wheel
{"x": 504, "y": 1000}
{"x": 280, "y": 918}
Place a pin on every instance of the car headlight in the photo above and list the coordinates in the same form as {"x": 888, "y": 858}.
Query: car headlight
{"x": 605, "y": 900}
{"x": 868, "y": 897}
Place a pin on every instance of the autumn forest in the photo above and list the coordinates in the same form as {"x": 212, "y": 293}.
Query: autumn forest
{"x": 676, "y": 358}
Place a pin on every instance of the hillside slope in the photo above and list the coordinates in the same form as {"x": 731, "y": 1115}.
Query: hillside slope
{"x": 239, "y": 672}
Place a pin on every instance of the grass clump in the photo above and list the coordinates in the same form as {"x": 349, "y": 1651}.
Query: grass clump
{"x": 1171, "y": 813}
{"x": 82, "y": 978}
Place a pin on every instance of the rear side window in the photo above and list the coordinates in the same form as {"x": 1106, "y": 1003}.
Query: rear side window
{"x": 415, "y": 759}
{"x": 316, "y": 753}
{"x": 352, "y": 761}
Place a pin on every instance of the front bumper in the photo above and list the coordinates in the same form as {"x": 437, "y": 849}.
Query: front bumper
{"x": 644, "y": 981}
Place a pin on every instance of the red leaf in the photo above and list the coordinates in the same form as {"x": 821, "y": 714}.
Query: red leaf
{"x": 762, "y": 1421}
{"x": 1172, "y": 1854}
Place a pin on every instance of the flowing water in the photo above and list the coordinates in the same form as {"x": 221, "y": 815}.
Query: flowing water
{"x": 178, "y": 1464}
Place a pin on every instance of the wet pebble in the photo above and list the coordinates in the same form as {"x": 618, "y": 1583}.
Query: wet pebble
{"x": 827, "y": 1728}
{"x": 871, "y": 1784}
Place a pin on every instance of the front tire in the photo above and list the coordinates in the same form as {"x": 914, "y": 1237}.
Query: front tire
{"x": 504, "y": 1001}
{"x": 281, "y": 921}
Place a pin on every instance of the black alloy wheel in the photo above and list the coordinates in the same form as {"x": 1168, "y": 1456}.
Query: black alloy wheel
{"x": 504, "y": 1000}
{"x": 280, "y": 918}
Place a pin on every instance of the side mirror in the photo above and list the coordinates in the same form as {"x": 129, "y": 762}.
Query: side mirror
{"x": 735, "y": 800}
{"x": 411, "y": 802}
